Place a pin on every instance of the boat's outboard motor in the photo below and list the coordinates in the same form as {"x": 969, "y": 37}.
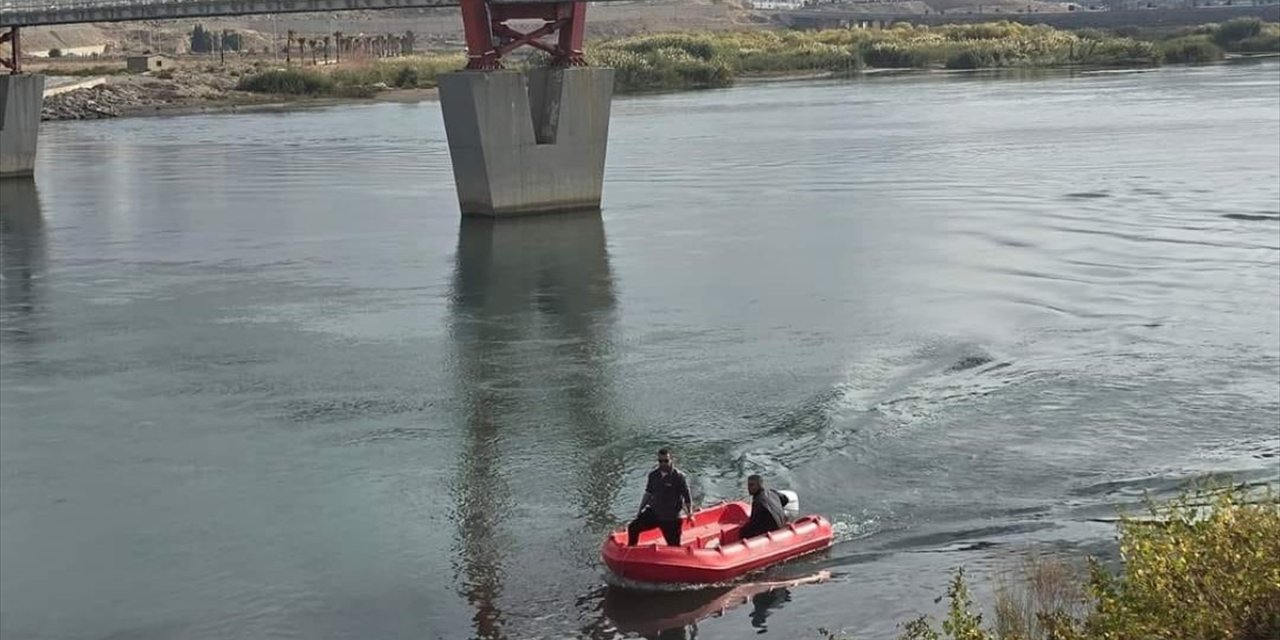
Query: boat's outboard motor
{"x": 792, "y": 509}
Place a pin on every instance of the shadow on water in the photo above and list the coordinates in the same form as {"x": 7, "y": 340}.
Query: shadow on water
{"x": 22, "y": 258}
{"x": 531, "y": 315}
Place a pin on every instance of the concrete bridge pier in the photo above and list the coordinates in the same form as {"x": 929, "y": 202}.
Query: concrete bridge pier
{"x": 525, "y": 143}
{"x": 21, "y": 98}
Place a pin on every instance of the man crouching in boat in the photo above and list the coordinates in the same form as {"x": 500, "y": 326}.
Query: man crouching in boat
{"x": 664, "y": 496}
{"x": 766, "y": 509}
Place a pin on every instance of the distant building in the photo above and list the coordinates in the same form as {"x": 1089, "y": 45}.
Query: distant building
{"x": 149, "y": 62}
{"x": 777, "y": 5}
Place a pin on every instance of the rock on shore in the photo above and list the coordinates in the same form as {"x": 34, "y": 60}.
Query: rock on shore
{"x": 120, "y": 95}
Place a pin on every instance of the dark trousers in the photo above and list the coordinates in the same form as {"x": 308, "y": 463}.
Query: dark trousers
{"x": 757, "y": 527}
{"x": 646, "y": 521}
{"x": 751, "y": 530}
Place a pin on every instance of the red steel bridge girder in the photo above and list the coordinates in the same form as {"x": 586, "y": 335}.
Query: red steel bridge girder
{"x": 489, "y": 37}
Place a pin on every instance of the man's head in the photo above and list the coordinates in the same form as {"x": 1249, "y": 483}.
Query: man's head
{"x": 754, "y": 484}
{"x": 664, "y": 459}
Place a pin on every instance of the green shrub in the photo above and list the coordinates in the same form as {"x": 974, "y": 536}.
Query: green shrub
{"x": 897, "y": 55}
{"x": 288, "y": 82}
{"x": 700, "y": 46}
{"x": 406, "y": 78}
{"x": 55, "y": 53}
{"x": 1189, "y": 49}
{"x": 661, "y": 68}
{"x": 966, "y": 59}
{"x": 1205, "y": 566}
{"x": 1120, "y": 52}
{"x": 816, "y": 57}
{"x": 1265, "y": 42}
{"x": 1235, "y": 30}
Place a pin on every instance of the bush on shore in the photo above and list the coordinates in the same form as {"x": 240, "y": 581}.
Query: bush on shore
{"x": 1240, "y": 35}
{"x": 681, "y": 61}
{"x": 1234, "y": 31}
{"x": 353, "y": 81}
{"x": 418, "y": 72}
{"x": 1190, "y": 50}
{"x": 1205, "y": 566}
{"x": 288, "y": 82}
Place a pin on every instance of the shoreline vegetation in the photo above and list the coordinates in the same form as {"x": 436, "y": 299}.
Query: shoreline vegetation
{"x": 1204, "y": 566}
{"x": 681, "y": 61}
{"x": 673, "y": 62}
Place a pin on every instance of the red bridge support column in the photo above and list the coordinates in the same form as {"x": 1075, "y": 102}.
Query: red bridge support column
{"x": 532, "y": 142}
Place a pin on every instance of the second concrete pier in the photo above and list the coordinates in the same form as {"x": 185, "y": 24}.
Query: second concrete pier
{"x": 21, "y": 98}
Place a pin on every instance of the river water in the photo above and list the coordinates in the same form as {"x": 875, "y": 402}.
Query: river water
{"x": 260, "y": 382}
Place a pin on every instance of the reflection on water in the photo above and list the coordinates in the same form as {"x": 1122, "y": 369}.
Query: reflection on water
{"x": 676, "y": 614}
{"x": 22, "y": 259}
{"x": 540, "y": 281}
{"x": 762, "y": 604}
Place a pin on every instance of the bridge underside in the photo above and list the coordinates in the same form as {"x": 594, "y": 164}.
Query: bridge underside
{"x": 29, "y": 13}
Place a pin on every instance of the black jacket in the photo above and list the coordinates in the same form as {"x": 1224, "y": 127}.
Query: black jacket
{"x": 667, "y": 494}
{"x": 766, "y": 511}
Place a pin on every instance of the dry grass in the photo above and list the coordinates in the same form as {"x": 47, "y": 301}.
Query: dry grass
{"x": 1039, "y": 585}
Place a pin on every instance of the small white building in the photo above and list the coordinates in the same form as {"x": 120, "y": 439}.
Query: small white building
{"x": 148, "y": 62}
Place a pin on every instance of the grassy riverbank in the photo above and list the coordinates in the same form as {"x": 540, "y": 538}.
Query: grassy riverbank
{"x": 708, "y": 60}
{"x": 1203, "y": 567}
{"x": 685, "y": 61}
{"x": 418, "y": 72}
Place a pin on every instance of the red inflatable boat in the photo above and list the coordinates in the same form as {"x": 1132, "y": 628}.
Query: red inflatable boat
{"x": 710, "y": 550}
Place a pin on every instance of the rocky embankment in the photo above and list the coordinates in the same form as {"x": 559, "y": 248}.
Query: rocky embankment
{"x": 102, "y": 101}
{"x": 132, "y": 95}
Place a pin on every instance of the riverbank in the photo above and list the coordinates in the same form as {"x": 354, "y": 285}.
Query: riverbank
{"x": 135, "y": 96}
{"x": 690, "y": 61}
{"x": 673, "y": 62}
{"x": 1204, "y": 566}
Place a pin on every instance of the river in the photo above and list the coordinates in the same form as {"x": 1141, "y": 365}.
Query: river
{"x": 260, "y": 382}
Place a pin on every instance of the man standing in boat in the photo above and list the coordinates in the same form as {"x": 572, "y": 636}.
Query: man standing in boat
{"x": 666, "y": 493}
{"x": 766, "y": 509}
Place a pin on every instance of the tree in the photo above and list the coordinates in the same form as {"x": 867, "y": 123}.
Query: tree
{"x": 232, "y": 41}
{"x": 201, "y": 40}
{"x": 55, "y": 53}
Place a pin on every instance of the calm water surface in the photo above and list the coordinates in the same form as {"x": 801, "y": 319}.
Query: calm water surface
{"x": 259, "y": 382}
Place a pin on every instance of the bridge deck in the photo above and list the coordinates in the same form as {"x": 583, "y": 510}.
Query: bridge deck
{"x": 26, "y": 13}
